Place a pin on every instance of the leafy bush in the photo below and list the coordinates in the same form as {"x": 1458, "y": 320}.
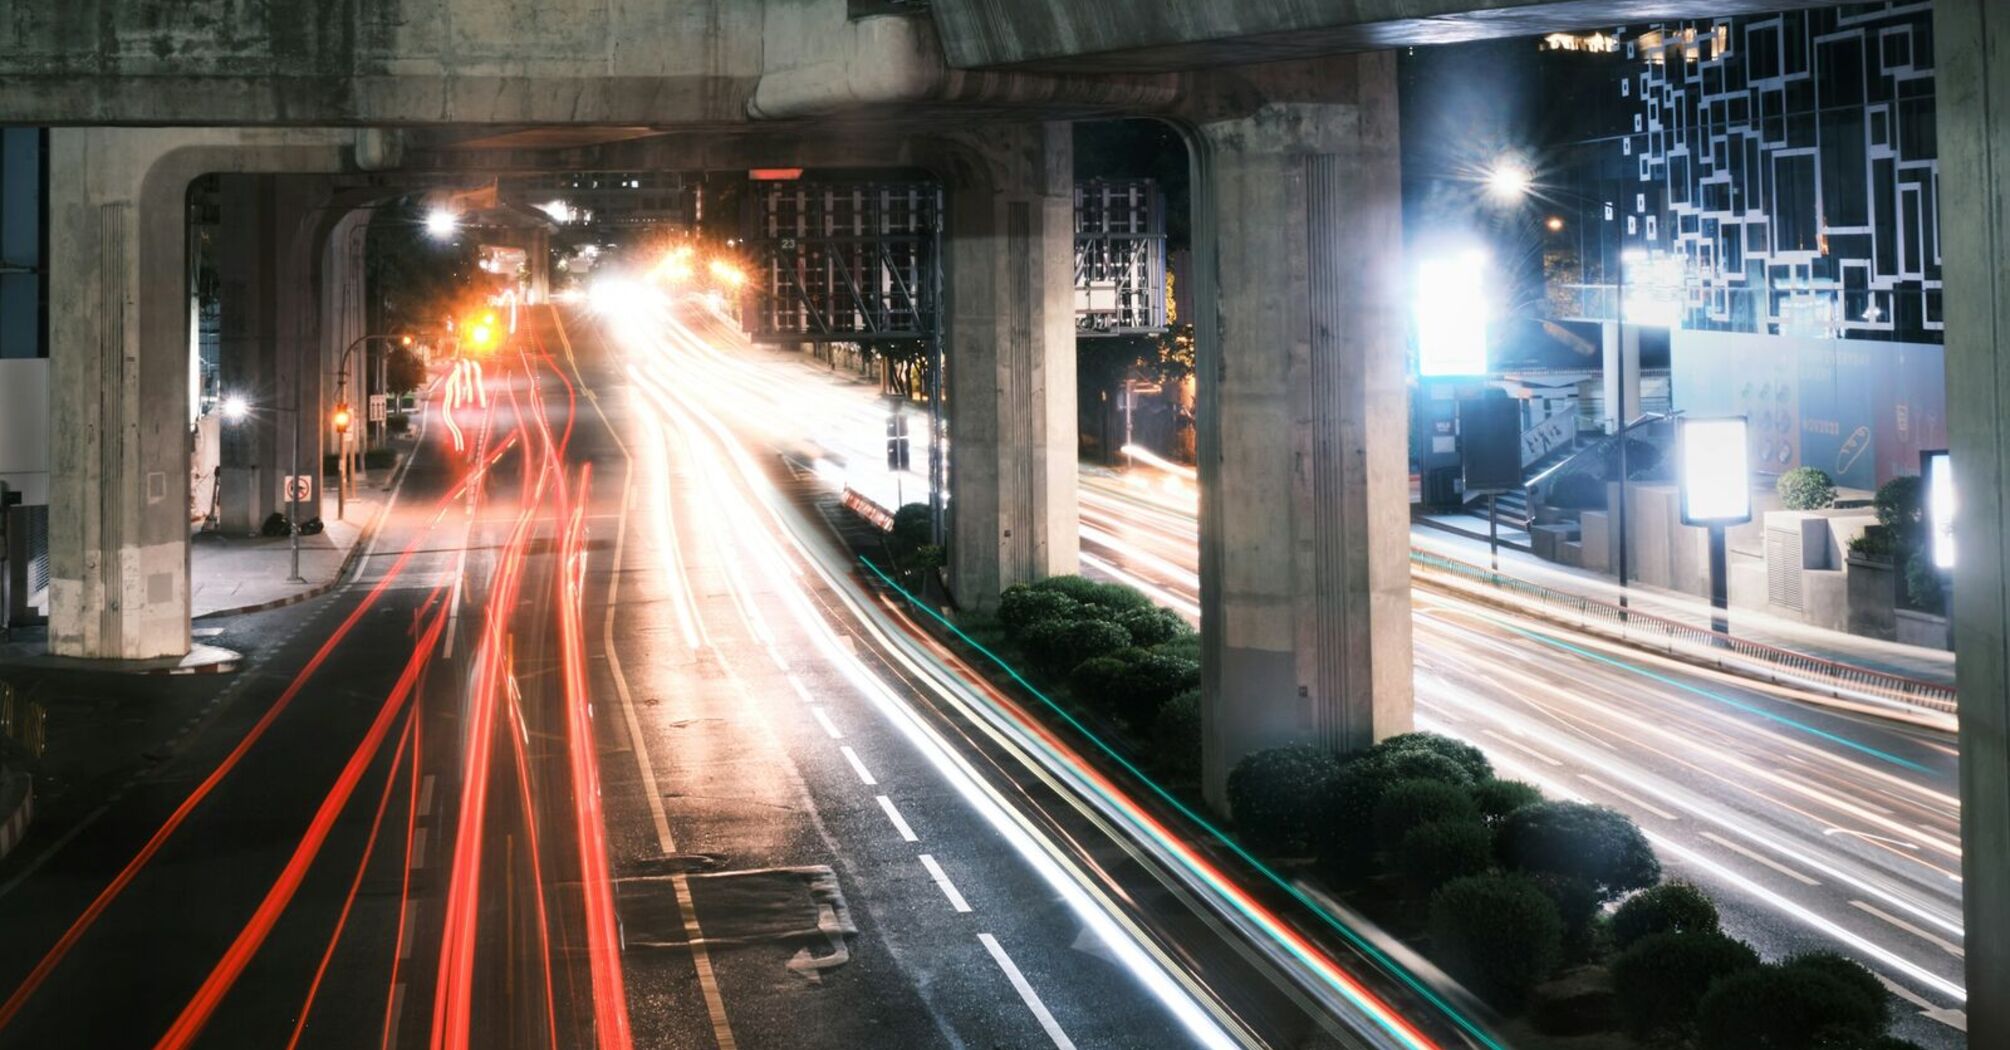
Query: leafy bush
{"x": 1176, "y": 735}
{"x": 1876, "y": 543}
{"x": 1347, "y": 813}
{"x": 1597, "y": 846}
{"x": 1151, "y": 679}
{"x": 1113, "y": 598}
{"x": 1862, "y": 983}
{"x": 1577, "y": 904}
{"x": 1472, "y": 759}
{"x": 1659, "y": 980}
{"x": 1672, "y": 907}
{"x": 1153, "y": 626}
{"x": 1096, "y": 681}
{"x": 911, "y": 526}
{"x": 1410, "y": 803}
{"x": 1269, "y": 792}
{"x": 1899, "y": 509}
{"x": 1020, "y": 606}
{"x": 1497, "y": 934}
{"x": 1577, "y": 492}
{"x": 1435, "y": 853}
{"x": 397, "y": 422}
{"x": 1834, "y": 1038}
{"x": 1498, "y": 798}
{"x": 1186, "y": 647}
{"x": 1922, "y": 583}
{"x": 1771, "y": 1007}
{"x": 1806, "y": 488}
{"x": 1048, "y": 643}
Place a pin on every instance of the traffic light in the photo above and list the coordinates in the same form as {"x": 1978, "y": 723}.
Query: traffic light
{"x": 342, "y": 418}
{"x": 405, "y": 340}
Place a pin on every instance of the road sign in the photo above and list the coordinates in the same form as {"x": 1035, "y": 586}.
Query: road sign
{"x": 297, "y": 488}
{"x": 1490, "y": 443}
{"x": 896, "y": 442}
{"x": 377, "y": 408}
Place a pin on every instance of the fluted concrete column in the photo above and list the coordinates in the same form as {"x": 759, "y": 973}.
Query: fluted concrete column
{"x": 1010, "y": 321}
{"x": 1301, "y": 415}
{"x": 1972, "y": 87}
{"x": 118, "y": 327}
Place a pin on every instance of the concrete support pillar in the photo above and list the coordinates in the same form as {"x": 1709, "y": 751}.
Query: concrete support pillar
{"x": 537, "y": 249}
{"x": 1972, "y": 86}
{"x": 343, "y": 316}
{"x": 1009, "y": 278}
{"x": 1304, "y": 565}
{"x": 118, "y": 328}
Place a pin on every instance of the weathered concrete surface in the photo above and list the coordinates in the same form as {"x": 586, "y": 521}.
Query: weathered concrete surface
{"x": 118, "y": 333}
{"x": 1971, "y": 40}
{"x": 1304, "y": 523}
{"x": 1009, "y": 298}
{"x": 1069, "y": 35}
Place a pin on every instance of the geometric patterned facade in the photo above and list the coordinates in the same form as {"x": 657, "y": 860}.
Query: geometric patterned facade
{"x": 1788, "y": 171}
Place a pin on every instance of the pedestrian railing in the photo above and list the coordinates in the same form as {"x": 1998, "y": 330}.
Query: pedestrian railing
{"x": 1698, "y": 643}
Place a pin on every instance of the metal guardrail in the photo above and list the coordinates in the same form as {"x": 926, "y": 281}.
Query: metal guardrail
{"x": 1727, "y": 651}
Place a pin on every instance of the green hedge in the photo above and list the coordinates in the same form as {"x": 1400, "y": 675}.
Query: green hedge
{"x": 1176, "y": 735}
{"x": 1471, "y": 759}
{"x": 1114, "y": 598}
{"x": 1268, "y": 793}
{"x": 1410, "y": 803}
{"x": 1594, "y": 845}
{"x": 1020, "y": 606}
{"x": 1672, "y": 907}
{"x": 1784, "y": 1007}
{"x": 1806, "y": 488}
{"x": 1499, "y": 935}
{"x": 1346, "y": 827}
{"x": 1658, "y": 981}
{"x": 1153, "y": 626}
{"x": 1433, "y": 854}
{"x": 1498, "y": 798}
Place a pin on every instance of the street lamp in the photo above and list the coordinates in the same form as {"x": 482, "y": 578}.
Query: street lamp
{"x": 1716, "y": 474}
{"x": 342, "y": 416}
{"x": 236, "y": 409}
{"x": 442, "y": 223}
{"x": 1508, "y": 180}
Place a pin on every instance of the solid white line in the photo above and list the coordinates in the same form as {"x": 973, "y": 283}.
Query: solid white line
{"x": 1026, "y": 992}
{"x": 942, "y": 879}
{"x": 899, "y": 822}
{"x": 1759, "y": 857}
{"x": 1517, "y": 745}
{"x": 825, "y": 721}
{"x": 859, "y": 767}
{"x": 1944, "y": 945}
{"x": 1635, "y": 799}
{"x": 418, "y": 848}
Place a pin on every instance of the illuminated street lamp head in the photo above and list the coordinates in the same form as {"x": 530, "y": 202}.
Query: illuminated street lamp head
{"x": 441, "y": 223}
{"x": 482, "y": 336}
{"x": 1554, "y": 224}
{"x": 235, "y": 408}
{"x": 727, "y": 274}
{"x": 1509, "y": 180}
{"x": 341, "y": 418}
{"x": 404, "y": 340}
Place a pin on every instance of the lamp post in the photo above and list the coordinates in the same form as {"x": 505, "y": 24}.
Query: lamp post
{"x": 342, "y": 409}
{"x": 235, "y": 410}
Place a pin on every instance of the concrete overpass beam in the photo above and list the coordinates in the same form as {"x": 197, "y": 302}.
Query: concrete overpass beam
{"x": 1009, "y": 287}
{"x": 1973, "y": 106}
{"x": 119, "y": 371}
{"x": 1305, "y": 599}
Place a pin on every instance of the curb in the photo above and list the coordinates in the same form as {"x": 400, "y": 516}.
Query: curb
{"x": 319, "y": 589}
{"x": 14, "y": 827}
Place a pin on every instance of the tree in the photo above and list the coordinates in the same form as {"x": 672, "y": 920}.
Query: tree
{"x": 404, "y": 372}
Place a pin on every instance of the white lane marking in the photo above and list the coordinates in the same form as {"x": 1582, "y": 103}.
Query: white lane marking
{"x": 1944, "y": 945}
{"x": 1519, "y": 746}
{"x": 1759, "y": 857}
{"x": 426, "y": 795}
{"x": 899, "y": 822}
{"x": 825, "y": 721}
{"x": 418, "y": 848}
{"x": 1635, "y": 799}
{"x": 397, "y": 1012}
{"x": 454, "y": 604}
{"x": 1026, "y": 992}
{"x": 802, "y": 690}
{"x": 942, "y": 879}
{"x": 411, "y": 927}
{"x": 858, "y": 766}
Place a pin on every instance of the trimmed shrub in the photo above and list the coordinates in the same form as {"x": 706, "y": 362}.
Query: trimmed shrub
{"x": 1409, "y": 803}
{"x": 1046, "y": 642}
{"x": 1862, "y": 983}
{"x": 1498, "y": 798}
{"x": 1112, "y": 597}
{"x": 1020, "y": 607}
{"x": 1153, "y": 626}
{"x": 1176, "y": 735}
{"x": 1149, "y": 680}
{"x": 1672, "y": 907}
{"x": 1806, "y": 488}
{"x": 1597, "y": 846}
{"x": 1433, "y": 854}
{"x": 1772, "y": 1007}
{"x": 1098, "y": 680}
{"x": 1899, "y": 509}
{"x": 1471, "y": 759}
{"x": 1845, "y": 1039}
{"x": 1499, "y": 935}
{"x": 911, "y": 526}
{"x": 1345, "y": 838}
{"x": 1186, "y": 647}
{"x": 1659, "y": 980}
{"x": 1577, "y": 904}
{"x": 1269, "y": 794}
{"x": 1058, "y": 650}
{"x": 1922, "y": 583}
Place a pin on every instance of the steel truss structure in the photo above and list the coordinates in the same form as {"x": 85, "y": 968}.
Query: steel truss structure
{"x": 852, "y": 262}
{"x": 1120, "y": 257}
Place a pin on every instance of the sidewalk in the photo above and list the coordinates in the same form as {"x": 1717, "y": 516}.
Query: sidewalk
{"x": 1926, "y": 665}
{"x": 236, "y": 574}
